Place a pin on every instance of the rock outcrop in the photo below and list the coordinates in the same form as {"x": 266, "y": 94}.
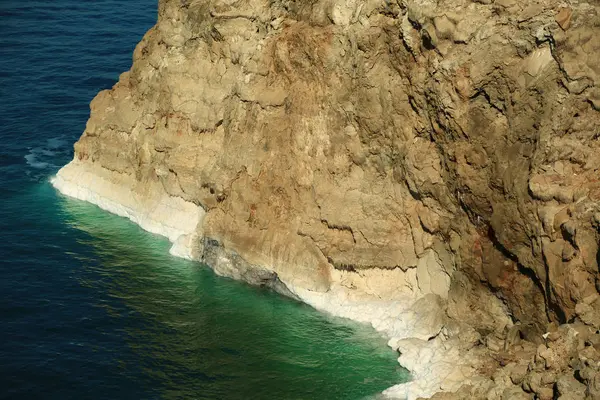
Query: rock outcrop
{"x": 430, "y": 167}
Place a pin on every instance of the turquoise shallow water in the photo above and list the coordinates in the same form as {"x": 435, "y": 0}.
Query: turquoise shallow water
{"x": 92, "y": 306}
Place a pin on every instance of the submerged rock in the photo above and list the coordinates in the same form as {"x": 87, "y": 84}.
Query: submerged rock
{"x": 428, "y": 167}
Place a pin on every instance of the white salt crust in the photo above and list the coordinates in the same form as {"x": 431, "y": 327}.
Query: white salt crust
{"x": 409, "y": 321}
{"x": 165, "y": 215}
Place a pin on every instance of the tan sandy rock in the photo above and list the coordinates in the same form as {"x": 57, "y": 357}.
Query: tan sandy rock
{"x": 429, "y": 167}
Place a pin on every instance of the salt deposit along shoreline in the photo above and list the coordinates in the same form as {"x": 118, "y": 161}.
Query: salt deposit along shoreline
{"x": 168, "y": 216}
{"x": 415, "y": 325}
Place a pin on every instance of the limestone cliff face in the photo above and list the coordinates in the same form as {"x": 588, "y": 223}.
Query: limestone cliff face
{"x": 446, "y": 147}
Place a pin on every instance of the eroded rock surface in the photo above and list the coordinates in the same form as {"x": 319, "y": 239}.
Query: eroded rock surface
{"x": 429, "y": 167}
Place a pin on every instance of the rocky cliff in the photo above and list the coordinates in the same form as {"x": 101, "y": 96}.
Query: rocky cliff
{"x": 430, "y": 167}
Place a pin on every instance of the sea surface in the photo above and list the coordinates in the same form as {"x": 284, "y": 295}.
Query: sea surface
{"x": 91, "y": 306}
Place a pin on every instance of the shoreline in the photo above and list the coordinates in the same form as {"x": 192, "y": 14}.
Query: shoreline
{"x": 414, "y": 325}
{"x": 168, "y": 216}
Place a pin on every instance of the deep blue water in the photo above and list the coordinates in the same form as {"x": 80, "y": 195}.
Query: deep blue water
{"x": 93, "y": 307}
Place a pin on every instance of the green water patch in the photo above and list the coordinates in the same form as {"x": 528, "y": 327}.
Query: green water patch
{"x": 197, "y": 335}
